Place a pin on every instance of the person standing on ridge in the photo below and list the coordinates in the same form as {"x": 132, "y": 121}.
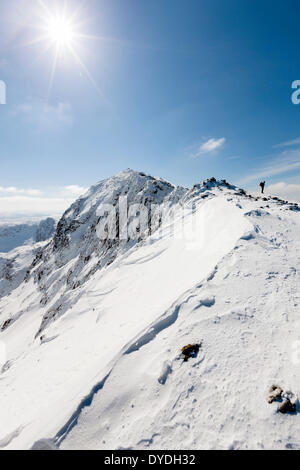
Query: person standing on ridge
{"x": 262, "y": 185}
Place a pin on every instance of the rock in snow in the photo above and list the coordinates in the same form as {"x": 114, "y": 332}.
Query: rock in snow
{"x": 92, "y": 328}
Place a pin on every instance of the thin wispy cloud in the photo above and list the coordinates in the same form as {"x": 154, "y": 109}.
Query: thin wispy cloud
{"x": 284, "y": 162}
{"x": 290, "y": 192}
{"x": 45, "y": 116}
{"x": 15, "y": 200}
{"x": 75, "y": 190}
{"x": 234, "y": 157}
{"x": 211, "y": 145}
{"x": 14, "y": 190}
{"x": 208, "y": 147}
{"x": 289, "y": 143}
{"x": 33, "y": 205}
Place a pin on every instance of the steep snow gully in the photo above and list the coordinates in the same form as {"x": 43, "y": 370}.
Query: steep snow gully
{"x": 93, "y": 334}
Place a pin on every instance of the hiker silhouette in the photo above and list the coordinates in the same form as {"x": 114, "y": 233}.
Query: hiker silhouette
{"x": 262, "y": 185}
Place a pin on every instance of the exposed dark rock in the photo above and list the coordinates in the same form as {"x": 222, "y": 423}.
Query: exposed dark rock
{"x": 6, "y": 324}
{"x": 275, "y": 393}
{"x": 287, "y": 407}
{"x": 190, "y": 351}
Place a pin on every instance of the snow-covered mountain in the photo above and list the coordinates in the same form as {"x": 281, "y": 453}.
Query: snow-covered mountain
{"x": 15, "y": 235}
{"x": 45, "y": 230}
{"x": 93, "y": 328}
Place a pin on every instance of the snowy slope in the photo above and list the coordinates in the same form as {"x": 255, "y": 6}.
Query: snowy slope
{"x": 105, "y": 370}
{"x": 14, "y": 266}
{"x": 246, "y": 316}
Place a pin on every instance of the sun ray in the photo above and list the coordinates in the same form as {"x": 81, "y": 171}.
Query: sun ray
{"x": 88, "y": 75}
{"x": 61, "y": 29}
{"x": 52, "y": 75}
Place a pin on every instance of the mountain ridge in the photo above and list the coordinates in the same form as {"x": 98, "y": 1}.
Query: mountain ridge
{"x": 99, "y": 339}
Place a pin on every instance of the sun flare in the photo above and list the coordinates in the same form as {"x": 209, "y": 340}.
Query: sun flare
{"x": 60, "y": 31}
{"x": 60, "y": 27}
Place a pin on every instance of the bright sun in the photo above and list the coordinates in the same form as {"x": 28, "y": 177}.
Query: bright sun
{"x": 61, "y": 32}
{"x": 60, "y": 29}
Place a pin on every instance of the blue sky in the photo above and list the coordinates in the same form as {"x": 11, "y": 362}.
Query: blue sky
{"x": 179, "y": 89}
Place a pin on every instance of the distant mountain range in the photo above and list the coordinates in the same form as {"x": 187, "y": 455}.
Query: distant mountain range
{"x": 15, "y": 235}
